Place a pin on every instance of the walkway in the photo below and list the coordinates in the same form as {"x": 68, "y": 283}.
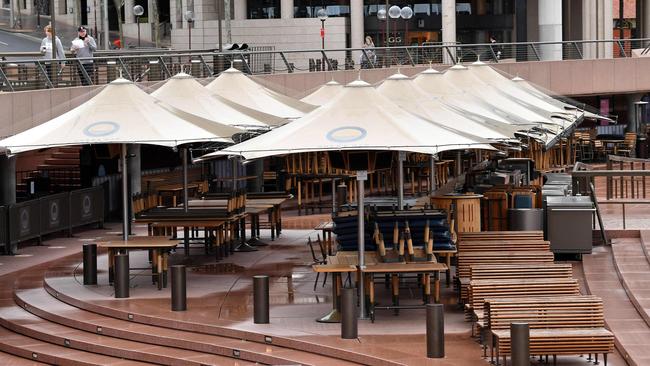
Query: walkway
{"x": 615, "y": 274}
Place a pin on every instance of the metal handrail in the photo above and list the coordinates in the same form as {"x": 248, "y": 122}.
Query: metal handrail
{"x": 157, "y": 65}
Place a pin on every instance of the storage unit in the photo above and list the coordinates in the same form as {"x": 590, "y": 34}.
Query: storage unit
{"x": 569, "y": 224}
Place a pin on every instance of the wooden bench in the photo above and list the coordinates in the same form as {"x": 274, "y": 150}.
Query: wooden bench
{"x": 480, "y": 290}
{"x": 501, "y": 235}
{"x": 513, "y": 271}
{"x": 566, "y": 325}
{"x": 468, "y": 259}
{"x": 507, "y": 245}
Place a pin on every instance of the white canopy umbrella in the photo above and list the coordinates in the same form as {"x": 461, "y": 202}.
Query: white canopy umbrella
{"x": 120, "y": 114}
{"x": 401, "y": 90}
{"x": 233, "y": 85}
{"x": 323, "y": 94}
{"x": 472, "y": 106}
{"x": 184, "y": 93}
{"x": 358, "y": 118}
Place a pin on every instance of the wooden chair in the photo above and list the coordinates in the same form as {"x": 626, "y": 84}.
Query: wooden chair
{"x": 628, "y": 147}
{"x": 316, "y": 260}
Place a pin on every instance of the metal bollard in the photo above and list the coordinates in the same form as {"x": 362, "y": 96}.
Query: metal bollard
{"x": 435, "y": 331}
{"x": 179, "y": 288}
{"x": 520, "y": 343}
{"x": 261, "y": 299}
{"x": 349, "y": 328}
{"x": 90, "y": 264}
{"x": 121, "y": 282}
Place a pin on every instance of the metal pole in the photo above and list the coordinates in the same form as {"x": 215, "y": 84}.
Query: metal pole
{"x": 400, "y": 175}
{"x": 333, "y": 195}
{"x": 121, "y": 282}
{"x": 432, "y": 176}
{"x": 125, "y": 198}
{"x": 90, "y": 264}
{"x": 362, "y": 175}
{"x": 261, "y": 299}
{"x": 234, "y": 174}
{"x": 185, "y": 197}
{"x": 189, "y": 33}
{"x": 520, "y": 342}
{"x": 179, "y": 288}
{"x": 322, "y": 39}
{"x": 137, "y": 19}
{"x": 435, "y": 331}
{"x": 349, "y": 326}
{"x": 219, "y": 7}
{"x": 105, "y": 25}
{"x": 459, "y": 163}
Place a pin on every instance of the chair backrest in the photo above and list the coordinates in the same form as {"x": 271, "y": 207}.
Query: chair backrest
{"x": 311, "y": 249}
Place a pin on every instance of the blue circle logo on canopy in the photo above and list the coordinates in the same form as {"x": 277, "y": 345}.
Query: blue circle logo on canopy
{"x": 101, "y": 129}
{"x": 346, "y": 134}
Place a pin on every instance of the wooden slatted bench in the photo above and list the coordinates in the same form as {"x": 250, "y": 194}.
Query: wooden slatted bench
{"x": 501, "y": 235}
{"x": 566, "y": 325}
{"x": 480, "y": 290}
{"x": 477, "y": 246}
{"x": 468, "y": 259}
{"x": 514, "y": 271}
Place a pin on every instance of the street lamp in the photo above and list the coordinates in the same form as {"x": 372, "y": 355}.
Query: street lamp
{"x": 406, "y": 13}
{"x": 322, "y": 15}
{"x": 138, "y": 10}
{"x": 189, "y": 17}
{"x": 381, "y": 15}
{"x": 394, "y": 12}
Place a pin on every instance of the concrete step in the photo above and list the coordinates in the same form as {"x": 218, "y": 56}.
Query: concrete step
{"x": 62, "y": 162}
{"x": 634, "y": 271}
{"x": 27, "y": 324}
{"x": 70, "y": 149}
{"x": 66, "y": 155}
{"x": 57, "y": 167}
{"x": 33, "y": 349}
{"x": 42, "y": 304}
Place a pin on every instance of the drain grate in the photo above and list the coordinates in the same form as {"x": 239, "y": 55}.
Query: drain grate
{"x": 218, "y": 268}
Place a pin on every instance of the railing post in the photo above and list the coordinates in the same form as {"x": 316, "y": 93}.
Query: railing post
{"x": 90, "y": 264}
{"x": 261, "y": 299}
{"x": 179, "y": 288}
{"x": 435, "y": 331}
{"x": 520, "y": 343}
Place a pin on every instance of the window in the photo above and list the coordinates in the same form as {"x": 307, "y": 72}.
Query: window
{"x": 310, "y": 8}
{"x": 263, "y": 9}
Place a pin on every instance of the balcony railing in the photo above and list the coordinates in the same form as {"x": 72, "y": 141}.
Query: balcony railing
{"x": 24, "y": 71}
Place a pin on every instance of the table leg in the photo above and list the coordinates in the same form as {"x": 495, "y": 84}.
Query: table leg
{"x": 165, "y": 267}
{"x": 243, "y": 245}
{"x": 334, "y": 316}
{"x": 448, "y": 276}
{"x": 255, "y": 224}
{"x": 154, "y": 265}
{"x": 159, "y": 270}
{"x": 186, "y": 240}
{"x": 395, "y": 291}
{"x": 272, "y": 223}
{"x": 111, "y": 265}
{"x": 427, "y": 288}
{"x": 371, "y": 295}
{"x": 436, "y": 286}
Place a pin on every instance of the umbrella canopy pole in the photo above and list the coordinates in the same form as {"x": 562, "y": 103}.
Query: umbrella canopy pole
{"x": 362, "y": 175}
{"x": 432, "y": 174}
{"x": 459, "y": 163}
{"x": 125, "y": 197}
{"x": 333, "y": 195}
{"x": 185, "y": 198}
{"x": 400, "y": 183}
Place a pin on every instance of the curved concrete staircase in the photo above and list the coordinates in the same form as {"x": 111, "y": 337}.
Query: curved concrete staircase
{"x": 42, "y": 321}
{"x": 621, "y": 276}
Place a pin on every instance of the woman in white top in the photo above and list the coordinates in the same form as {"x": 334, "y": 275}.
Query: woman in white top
{"x": 46, "y": 45}
{"x": 368, "y": 46}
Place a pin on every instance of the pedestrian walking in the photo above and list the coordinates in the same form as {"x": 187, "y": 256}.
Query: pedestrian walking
{"x": 51, "y": 50}
{"x": 83, "y": 47}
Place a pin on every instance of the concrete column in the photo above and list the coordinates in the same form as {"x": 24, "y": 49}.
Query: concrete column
{"x": 356, "y": 27}
{"x": 286, "y": 9}
{"x": 7, "y": 180}
{"x": 550, "y": 28}
{"x": 128, "y": 12}
{"x": 607, "y": 26}
{"x": 449, "y": 29}
{"x": 645, "y": 19}
{"x": 240, "y": 10}
{"x": 226, "y": 18}
{"x": 589, "y": 28}
{"x": 135, "y": 172}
